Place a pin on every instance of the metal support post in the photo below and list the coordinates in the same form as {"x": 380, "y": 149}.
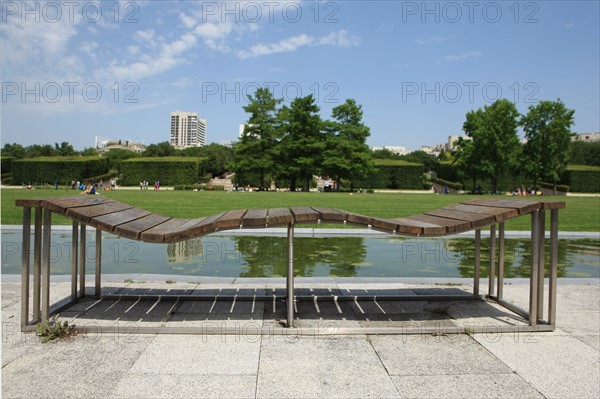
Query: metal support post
{"x": 37, "y": 263}
{"x": 25, "y": 260}
{"x": 46, "y": 265}
{"x": 290, "y": 276}
{"x": 553, "y": 267}
{"x": 541, "y": 263}
{"x": 477, "y": 262}
{"x": 74, "y": 253}
{"x": 98, "y": 262}
{"x": 82, "y": 248}
{"x": 533, "y": 279}
{"x": 500, "y": 260}
{"x": 492, "y": 270}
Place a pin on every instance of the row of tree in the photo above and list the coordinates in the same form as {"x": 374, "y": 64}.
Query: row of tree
{"x": 492, "y": 148}
{"x": 290, "y": 144}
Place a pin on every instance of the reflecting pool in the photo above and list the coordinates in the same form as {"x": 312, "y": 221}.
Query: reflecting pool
{"x": 252, "y": 256}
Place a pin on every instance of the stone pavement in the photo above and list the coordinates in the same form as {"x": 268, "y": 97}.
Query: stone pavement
{"x": 560, "y": 364}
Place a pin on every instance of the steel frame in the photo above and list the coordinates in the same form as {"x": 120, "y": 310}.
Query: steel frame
{"x": 534, "y": 316}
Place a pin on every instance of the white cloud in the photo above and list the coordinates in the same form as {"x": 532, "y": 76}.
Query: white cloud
{"x": 339, "y": 39}
{"x": 463, "y": 56}
{"x": 187, "y": 21}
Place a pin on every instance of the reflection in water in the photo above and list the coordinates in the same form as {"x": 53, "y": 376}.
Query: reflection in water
{"x": 249, "y": 256}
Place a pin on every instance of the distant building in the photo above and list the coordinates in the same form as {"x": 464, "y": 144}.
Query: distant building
{"x": 395, "y": 149}
{"x": 103, "y": 145}
{"x": 587, "y": 137}
{"x": 187, "y": 130}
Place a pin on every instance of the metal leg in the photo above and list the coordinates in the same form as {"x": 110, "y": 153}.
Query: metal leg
{"x": 533, "y": 280}
{"x": 74, "y": 253}
{"x": 37, "y": 264}
{"x": 82, "y": 236}
{"x": 98, "y": 261}
{"x": 553, "y": 267}
{"x": 541, "y": 263}
{"x": 290, "y": 276}
{"x": 25, "y": 259}
{"x": 500, "y": 260}
{"x": 477, "y": 262}
{"x": 492, "y": 271}
{"x": 46, "y": 265}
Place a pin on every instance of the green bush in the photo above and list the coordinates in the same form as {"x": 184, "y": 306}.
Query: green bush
{"x": 170, "y": 171}
{"x": 6, "y": 164}
{"x": 447, "y": 171}
{"x": 393, "y": 174}
{"x": 450, "y": 184}
{"x": 582, "y": 178}
{"x": 45, "y": 170}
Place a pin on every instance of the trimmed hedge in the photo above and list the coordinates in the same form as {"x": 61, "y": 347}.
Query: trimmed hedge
{"x": 582, "y": 178}
{"x": 170, "y": 171}
{"x": 450, "y": 184}
{"x": 45, "y": 170}
{"x": 447, "y": 171}
{"x": 6, "y": 164}
{"x": 393, "y": 174}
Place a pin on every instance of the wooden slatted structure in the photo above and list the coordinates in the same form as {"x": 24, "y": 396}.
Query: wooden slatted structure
{"x": 122, "y": 219}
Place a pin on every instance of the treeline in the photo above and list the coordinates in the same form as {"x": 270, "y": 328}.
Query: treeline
{"x": 290, "y": 144}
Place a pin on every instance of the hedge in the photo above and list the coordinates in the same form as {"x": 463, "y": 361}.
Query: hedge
{"x": 45, "y": 170}
{"x": 582, "y": 178}
{"x": 170, "y": 171}
{"x": 6, "y": 164}
{"x": 450, "y": 184}
{"x": 447, "y": 171}
{"x": 393, "y": 174}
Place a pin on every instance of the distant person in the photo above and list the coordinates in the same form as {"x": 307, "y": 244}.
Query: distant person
{"x": 141, "y": 184}
{"x": 113, "y": 183}
{"x": 446, "y": 191}
{"x": 56, "y": 184}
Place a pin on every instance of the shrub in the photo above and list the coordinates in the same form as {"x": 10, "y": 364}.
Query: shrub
{"x": 393, "y": 174}
{"x": 170, "y": 171}
{"x": 582, "y": 178}
{"x": 45, "y": 170}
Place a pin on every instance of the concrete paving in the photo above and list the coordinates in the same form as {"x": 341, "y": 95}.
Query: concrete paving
{"x": 560, "y": 364}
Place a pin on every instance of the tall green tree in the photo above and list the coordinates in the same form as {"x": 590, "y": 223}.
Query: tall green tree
{"x": 547, "y": 128}
{"x": 64, "y": 149}
{"x": 346, "y": 154}
{"x": 13, "y": 150}
{"x": 495, "y": 146}
{"x": 255, "y": 152}
{"x": 303, "y": 142}
{"x": 164, "y": 149}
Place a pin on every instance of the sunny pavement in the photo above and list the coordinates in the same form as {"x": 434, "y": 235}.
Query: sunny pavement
{"x": 561, "y": 364}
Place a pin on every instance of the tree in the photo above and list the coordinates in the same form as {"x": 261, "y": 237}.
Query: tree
{"x": 13, "y": 150}
{"x": 303, "y": 143}
{"x": 218, "y": 157}
{"x": 346, "y": 154}
{"x": 255, "y": 152}
{"x": 37, "y": 150}
{"x": 494, "y": 147}
{"x": 164, "y": 149}
{"x": 547, "y": 128}
{"x": 64, "y": 149}
{"x": 385, "y": 154}
{"x": 582, "y": 153}
{"x": 88, "y": 152}
{"x": 429, "y": 162}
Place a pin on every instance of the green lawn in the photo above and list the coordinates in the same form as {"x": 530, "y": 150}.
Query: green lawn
{"x": 582, "y": 213}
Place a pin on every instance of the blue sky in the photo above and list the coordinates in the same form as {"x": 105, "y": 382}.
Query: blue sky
{"x": 118, "y": 68}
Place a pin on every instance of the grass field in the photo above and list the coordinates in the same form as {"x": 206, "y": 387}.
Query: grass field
{"x": 582, "y": 213}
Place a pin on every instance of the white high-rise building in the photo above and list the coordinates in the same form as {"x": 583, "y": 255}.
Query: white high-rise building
{"x": 187, "y": 130}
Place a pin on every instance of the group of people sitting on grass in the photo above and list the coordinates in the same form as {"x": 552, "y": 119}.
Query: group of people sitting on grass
{"x": 522, "y": 192}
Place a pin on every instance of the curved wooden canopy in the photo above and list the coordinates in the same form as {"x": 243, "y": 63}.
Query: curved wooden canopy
{"x": 138, "y": 224}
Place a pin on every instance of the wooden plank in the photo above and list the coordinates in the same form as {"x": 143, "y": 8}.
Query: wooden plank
{"x": 61, "y": 205}
{"x": 330, "y": 215}
{"x": 157, "y": 233}
{"x": 452, "y": 225}
{"x": 204, "y": 226}
{"x": 109, "y": 221}
{"x": 523, "y": 207}
{"x": 387, "y": 225}
{"x": 30, "y": 202}
{"x": 553, "y": 205}
{"x": 85, "y": 213}
{"x": 355, "y": 218}
{"x": 279, "y": 216}
{"x": 134, "y": 228}
{"x": 255, "y": 217}
{"x": 417, "y": 227}
{"x": 230, "y": 220}
{"x": 477, "y": 220}
{"x": 499, "y": 214}
{"x": 182, "y": 231}
{"x": 305, "y": 215}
